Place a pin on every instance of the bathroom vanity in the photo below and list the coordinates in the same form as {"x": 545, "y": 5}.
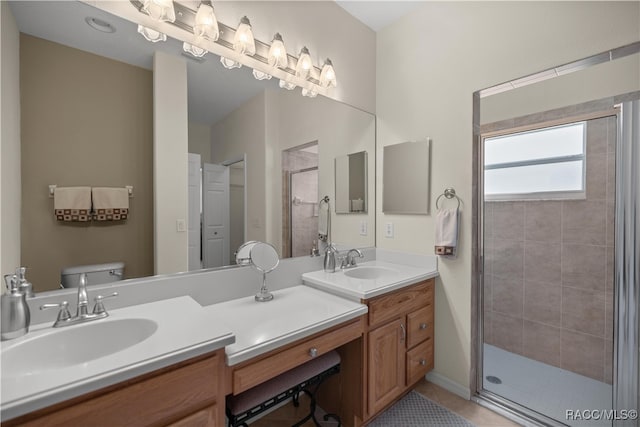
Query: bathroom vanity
{"x": 196, "y": 354}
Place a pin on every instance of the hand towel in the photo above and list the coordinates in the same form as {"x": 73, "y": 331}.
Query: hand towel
{"x": 110, "y": 204}
{"x": 72, "y": 203}
{"x": 446, "y": 238}
{"x": 323, "y": 216}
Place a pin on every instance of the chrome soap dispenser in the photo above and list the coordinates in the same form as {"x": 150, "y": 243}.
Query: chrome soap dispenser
{"x": 330, "y": 258}
{"x": 15, "y": 311}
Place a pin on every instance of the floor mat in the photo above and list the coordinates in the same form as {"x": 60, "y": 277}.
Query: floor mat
{"x": 415, "y": 410}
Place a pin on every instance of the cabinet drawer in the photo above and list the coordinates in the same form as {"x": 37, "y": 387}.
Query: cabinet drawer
{"x": 419, "y": 325}
{"x": 257, "y": 372}
{"x": 419, "y": 361}
{"x": 405, "y": 300}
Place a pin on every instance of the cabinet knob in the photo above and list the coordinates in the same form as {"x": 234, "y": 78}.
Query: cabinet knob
{"x": 423, "y": 326}
{"x": 313, "y": 352}
{"x": 423, "y": 362}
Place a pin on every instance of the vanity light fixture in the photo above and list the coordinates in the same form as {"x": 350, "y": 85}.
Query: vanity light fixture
{"x": 152, "y": 35}
{"x": 243, "y": 41}
{"x": 206, "y": 24}
{"x": 229, "y": 64}
{"x": 287, "y": 85}
{"x": 303, "y": 66}
{"x": 328, "y": 75}
{"x": 277, "y": 56}
{"x": 196, "y": 51}
{"x": 160, "y": 10}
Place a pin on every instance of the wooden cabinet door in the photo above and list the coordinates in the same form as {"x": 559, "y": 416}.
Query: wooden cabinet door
{"x": 386, "y": 364}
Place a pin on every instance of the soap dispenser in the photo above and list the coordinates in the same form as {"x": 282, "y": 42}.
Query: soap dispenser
{"x": 330, "y": 258}
{"x": 14, "y": 310}
{"x": 23, "y": 284}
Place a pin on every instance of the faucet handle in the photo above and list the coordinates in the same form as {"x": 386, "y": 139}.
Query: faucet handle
{"x": 99, "y": 307}
{"x": 63, "y": 314}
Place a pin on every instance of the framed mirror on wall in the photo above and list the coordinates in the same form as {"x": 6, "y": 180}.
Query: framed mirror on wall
{"x": 351, "y": 183}
{"x": 406, "y": 178}
{"x": 97, "y": 142}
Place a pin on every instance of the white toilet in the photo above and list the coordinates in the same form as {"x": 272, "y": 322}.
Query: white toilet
{"x": 96, "y": 274}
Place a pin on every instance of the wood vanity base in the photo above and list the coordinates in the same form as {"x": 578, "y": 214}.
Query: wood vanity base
{"x": 188, "y": 394}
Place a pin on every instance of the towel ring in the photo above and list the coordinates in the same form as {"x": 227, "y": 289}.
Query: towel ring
{"x": 449, "y": 193}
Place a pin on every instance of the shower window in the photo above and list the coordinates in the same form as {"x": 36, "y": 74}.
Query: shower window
{"x": 546, "y": 163}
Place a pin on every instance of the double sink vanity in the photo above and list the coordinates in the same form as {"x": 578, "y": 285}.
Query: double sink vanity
{"x": 173, "y": 361}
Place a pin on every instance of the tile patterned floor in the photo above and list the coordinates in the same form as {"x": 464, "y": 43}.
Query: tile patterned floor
{"x": 476, "y": 414}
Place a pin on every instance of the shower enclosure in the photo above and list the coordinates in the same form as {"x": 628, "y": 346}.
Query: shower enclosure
{"x": 557, "y": 255}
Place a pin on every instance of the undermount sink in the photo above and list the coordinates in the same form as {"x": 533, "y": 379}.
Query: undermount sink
{"x": 370, "y": 272}
{"x": 74, "y": 345}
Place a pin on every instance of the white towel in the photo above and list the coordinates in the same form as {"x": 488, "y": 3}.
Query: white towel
{"x": 110, "y": 204}
{"x": 72, "y": 203}
{"x": 446, "y": 238}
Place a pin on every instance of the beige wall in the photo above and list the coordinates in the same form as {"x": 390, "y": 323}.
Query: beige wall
{"x": 429, "y": 63}
{"x": 86, "y": 120}
{"x": 170, "y": 163}
{"x": 9, "y": 143}
{"x": 200, "y": 141}
{"x": 242, "y": 132}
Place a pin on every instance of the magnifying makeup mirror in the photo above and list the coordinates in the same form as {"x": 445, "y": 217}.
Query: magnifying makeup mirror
{"x": 264, "y": 258}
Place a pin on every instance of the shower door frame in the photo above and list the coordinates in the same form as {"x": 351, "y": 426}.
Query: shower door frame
{"x": 480, "y": 395}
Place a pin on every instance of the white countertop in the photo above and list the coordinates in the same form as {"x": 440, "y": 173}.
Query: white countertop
{"x": 178, "y": 337}
{"x": 294, "y": 313}
{"x": 399, "y": 276}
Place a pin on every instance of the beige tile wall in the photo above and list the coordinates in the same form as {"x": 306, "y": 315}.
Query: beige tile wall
{"x": 549, "y": 270}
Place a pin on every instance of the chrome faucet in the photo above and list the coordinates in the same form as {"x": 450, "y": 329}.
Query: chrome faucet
{"x": 350, "y": 260}
{"x": 82, "y": 311}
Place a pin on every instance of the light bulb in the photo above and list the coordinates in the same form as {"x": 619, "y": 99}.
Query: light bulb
{"x": 304, "y": 64}
{"x": 243, "y": 41}
{"x": 328, "y": 75}
{"x": 229, "y": 63}
{"x": 152, "y": 35}
{"x": 277, "y": 56}
{"x": 287, "y": 85}
{"x": 206, "y": 24}
{"x": 196, "y": 51}
{"x": 160, "y": 10}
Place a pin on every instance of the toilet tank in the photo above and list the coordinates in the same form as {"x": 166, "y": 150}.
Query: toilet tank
{"x": 96, "y": 274}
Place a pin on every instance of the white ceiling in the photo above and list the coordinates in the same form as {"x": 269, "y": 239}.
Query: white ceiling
{"x": 378, "y": 14}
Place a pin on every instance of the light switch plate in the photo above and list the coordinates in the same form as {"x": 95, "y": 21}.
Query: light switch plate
{"x": 388, "y": 230}
{"x": 363, "y": 228}
{"x": 181, "y": 225}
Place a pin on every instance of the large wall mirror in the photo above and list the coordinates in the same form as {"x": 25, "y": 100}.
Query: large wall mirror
{"x": 87, "y": 103}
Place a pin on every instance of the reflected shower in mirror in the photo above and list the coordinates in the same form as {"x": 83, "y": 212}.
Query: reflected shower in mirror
{"x": 89, "y": 121}
{"x": 351, "y": 183}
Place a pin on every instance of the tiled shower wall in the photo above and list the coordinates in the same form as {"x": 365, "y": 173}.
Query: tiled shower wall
{"x": 549, "y": 270}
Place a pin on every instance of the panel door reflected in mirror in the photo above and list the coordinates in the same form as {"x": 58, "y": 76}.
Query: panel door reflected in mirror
{"x": 405, "y": 178}
{"x": 351, "y": 183}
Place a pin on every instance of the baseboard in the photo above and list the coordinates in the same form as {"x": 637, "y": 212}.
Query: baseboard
{"x": 447, "y": 384}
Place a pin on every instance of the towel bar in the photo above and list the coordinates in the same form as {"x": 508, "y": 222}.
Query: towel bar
{"x": 449, "y": 193}
{"x": 52, "y": 190}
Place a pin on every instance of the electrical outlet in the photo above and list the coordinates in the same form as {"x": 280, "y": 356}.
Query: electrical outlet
{"x": 181, "y": 225}
{"x": 388, "y": 230}
{"x": 363, "y": 228}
